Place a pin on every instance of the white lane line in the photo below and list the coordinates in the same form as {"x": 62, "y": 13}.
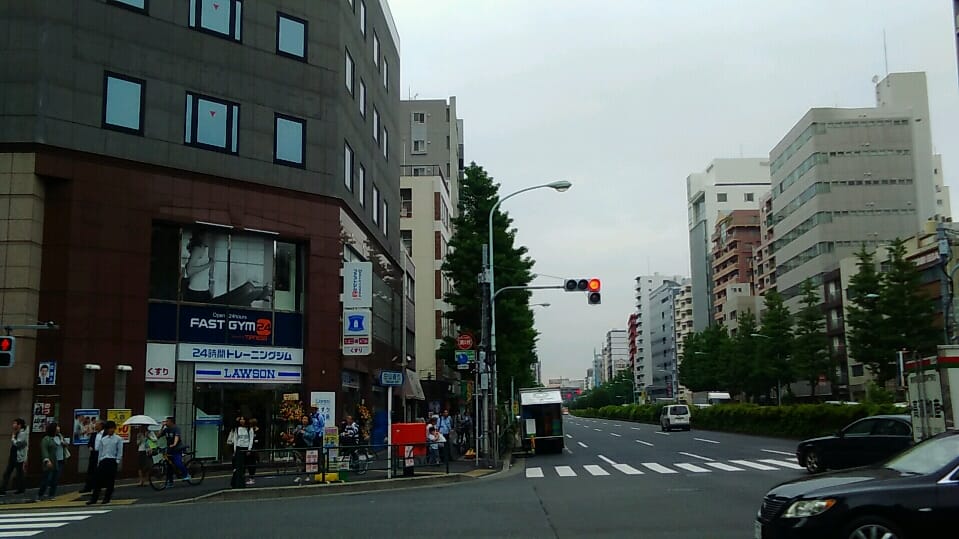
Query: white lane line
{"x": 724, "y": 467}
{"x": 595, "y": 470}
{"x": 34, "y": 525}
{"x": 581, "y": 444}
{"x": 20, "y": 533}
{"x": 568, "y": 450}
{"x": 754, "y": 465}
{"x": 705, "y": 440}
{"x": 627, "y": 469}
{"x": 663, "y": 433}
{"x": 565, "y": 471}
{"x": 644, "y": 443}
{"x": 658, "y": 468}
{"x": 570, "y": 436}
{"x": 778, "y": 452}
{"x": 608, "y": 461}
{"x": 56, "y": 514}
{"x": 635, "y": 428}
{"x": 616, "y": 435}
{"x": 41, "y": 518}
{"x": 598, "y": 430}
{"x": 534, "y": 472}
{"x": 782, "y": 463}
{"x": 615, "y": 425}
{"x": 691, "y": 467}
{"x": 695, "y": 456}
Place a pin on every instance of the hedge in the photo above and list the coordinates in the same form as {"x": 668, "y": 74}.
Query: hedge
{"x": 791, "y": 421}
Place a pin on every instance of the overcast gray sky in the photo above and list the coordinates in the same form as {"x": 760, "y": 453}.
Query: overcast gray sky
{"x": 626, "y": 98}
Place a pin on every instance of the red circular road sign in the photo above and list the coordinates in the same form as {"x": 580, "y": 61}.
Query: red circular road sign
{"x": 464, "y": 341}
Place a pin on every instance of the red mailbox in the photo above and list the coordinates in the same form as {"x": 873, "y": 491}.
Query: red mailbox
{"x": 409, "y": 434}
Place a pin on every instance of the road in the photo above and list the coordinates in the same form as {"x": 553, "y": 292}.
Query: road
{"x": 617, "y": 479}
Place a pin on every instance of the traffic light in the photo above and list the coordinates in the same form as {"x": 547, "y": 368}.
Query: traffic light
{"x": 590, "y": 286}
{"x": 8, "y": 346}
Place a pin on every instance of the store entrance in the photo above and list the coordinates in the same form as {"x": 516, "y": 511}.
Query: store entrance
{"x": 218, "y": 405}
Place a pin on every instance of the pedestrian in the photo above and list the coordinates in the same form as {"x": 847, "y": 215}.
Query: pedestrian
{"x": 53, "y": 452}
{"x": 174, "y": 449}
{"x": 18, "y": 456}
{"x": 146, "y": 445}
{"x": 433, "y": 438}
{"x": 445, "y": 425}
{"x": 92, "y": 462}
{"x": 242, "y": 439}
{"x": 109, "y": 452}
{"x": 252, "y": 457}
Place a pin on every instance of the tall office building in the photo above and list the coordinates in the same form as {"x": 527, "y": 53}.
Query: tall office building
{"x": 661, "y": 378}
{"x": 640, "y": 323}
{"x": 735, "y": 241}
{"x": 432, "y": 141}
{"x": 615, "y": 353}
{"x": 185, "y": 184}
{"x": 683, "y": 322}
{"x": 725, "y": 185}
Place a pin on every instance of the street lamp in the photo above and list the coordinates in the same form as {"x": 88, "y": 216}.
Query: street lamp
{"x": 779, "y": 382}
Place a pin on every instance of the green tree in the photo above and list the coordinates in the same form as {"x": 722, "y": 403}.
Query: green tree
{"x": 742, "y": 360}
{"x": 705, "y": 359}
{"x": 810, "y": 351}
{"x": 516, "y": 338}
{"x": 864, "y": 321}
{"x": 775, "y": 345}
{"x": 909, "y": 314}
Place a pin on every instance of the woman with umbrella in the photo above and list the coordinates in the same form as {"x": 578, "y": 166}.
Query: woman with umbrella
{"x": 146, "y": 445}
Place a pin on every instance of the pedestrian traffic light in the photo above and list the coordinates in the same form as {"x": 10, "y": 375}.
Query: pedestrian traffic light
{"x": 8, "y": 346}
{"x": 590, "y": 286}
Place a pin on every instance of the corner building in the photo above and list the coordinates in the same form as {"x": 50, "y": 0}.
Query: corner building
{"x": 185, "y": 181}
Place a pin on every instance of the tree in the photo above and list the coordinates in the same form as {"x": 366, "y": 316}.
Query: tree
{"x": 516, "y": 338}
{"x": 810, "y": 351}
{"x": 865, "y": 321}
{"x": 743, "y": 359}
{"x": 705, "y": 359}
{"x": 775, "y": 345}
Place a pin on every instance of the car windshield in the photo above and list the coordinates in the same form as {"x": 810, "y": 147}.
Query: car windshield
{"x": 680, "y": 410}
{"x": 927, "y": 457}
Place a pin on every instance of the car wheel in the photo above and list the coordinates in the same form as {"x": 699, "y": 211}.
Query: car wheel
{"x": 666, "y": 426}
{"x": 872, "y": 527}
{"x": 687, "y": 429}
{"x": 814, "y": 462}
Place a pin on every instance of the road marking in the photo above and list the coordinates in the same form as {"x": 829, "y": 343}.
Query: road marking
{"x": 615, "y": 425}
{"x": 782, "y": 463}
{"x": 534, "y": 472}
{"x": 705, "y": 440}
{"x": 614, "y": 434}
{"x": 658, "y": 468}
{"x": 40, "y": 517}
{"x": 56, "y": 514}
{"x": 20, "y": 533}
{"x": 608, "y": 461}
{"x": 565, "y": 471}
{"x": 635, "y": 428}
{"x": 570, "y": 436}
{"x": 778, "y": 452}
{"x": 724, "y": 467}
{"x": 690, "y": 467}
{"x": 595, "y": 470}
{"x": 33, "y": 525}
{"x": 598, "y": 430}
{"x": 627, "y": 469}
{"x": 659, "y": 432}
{"x": 695, "y": 456}
{"x": 568, "y": 450}
{"x": 644, "y": 443}
{"x": 754, "y": 465}
{"x": 581, "y": 444}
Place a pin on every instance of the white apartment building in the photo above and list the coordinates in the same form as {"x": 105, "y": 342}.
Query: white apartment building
{"x": 615, "y": 353}
{"x": 683, "y": 322}
{"x": 642, "y": 352}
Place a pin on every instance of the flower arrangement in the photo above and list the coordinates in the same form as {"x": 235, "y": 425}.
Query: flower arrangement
{"x": 291, "y": 410}
{"x": 365, "y": 420}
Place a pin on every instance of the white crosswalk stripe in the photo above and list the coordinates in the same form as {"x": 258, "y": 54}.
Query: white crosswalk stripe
{"x": 692, "y": 467}
{"x": 783, "y": 463}
{"x": 534, "y": 472}
{"x": 627, "y": 469}
{"x": 658, "y": 468}
{"x": 754, "y": 465}
{"x": 595, "y": 470}
{"x": 29, "y": 524}
{"x": 724, "y": 467}
{"x": 565, "y": 471}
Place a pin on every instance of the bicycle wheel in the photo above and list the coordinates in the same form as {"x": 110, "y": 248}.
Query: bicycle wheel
{"x": 363, "y": 458}
{"x": 158, "y": 476}
{"x": 196, "y": 470}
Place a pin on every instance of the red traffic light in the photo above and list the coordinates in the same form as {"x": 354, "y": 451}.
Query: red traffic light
{"x": 6, "y": 344}
{"x": 594, "y": 285}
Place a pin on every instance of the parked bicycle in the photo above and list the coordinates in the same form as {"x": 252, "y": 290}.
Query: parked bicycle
{"x": 194, "y": 467}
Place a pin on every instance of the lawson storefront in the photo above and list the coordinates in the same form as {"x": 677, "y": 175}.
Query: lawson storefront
{"x": 227, "y": 344}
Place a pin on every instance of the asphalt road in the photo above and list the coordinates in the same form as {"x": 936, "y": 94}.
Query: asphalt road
{"x": 617, "y": 479}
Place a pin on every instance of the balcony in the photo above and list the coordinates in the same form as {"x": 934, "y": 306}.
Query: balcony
{"x": 425, "y": 170}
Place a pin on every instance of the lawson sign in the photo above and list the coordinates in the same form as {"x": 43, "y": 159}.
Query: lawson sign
{"x": 247, "y": 374}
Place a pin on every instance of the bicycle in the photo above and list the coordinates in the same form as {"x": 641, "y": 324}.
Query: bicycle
{"x": 360, "y": 458}
{"x": 158, "y": 472}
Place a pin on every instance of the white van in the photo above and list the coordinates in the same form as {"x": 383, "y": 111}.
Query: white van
{"x": 675, "y": 416}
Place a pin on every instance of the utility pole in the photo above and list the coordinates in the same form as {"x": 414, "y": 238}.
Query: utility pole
{"x": 482, "y": 365}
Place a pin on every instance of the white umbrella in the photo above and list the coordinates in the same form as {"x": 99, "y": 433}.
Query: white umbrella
{"x": 141, "y": 420}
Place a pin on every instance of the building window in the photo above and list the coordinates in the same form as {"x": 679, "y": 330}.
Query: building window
{"x": 290, "y": 36}
{"x": 748, "y": 197}
{"x": 386, "y": 75}
{"x": 376, "y": 125}
{"x": 123, "y": 103}
{"x": 376, "y": 50}
{"x": 348, "y": 166}
{"x": 385, "y": 219}
{"x": 376, "y": 205}
{"x": 135, "y": 5}
{"x": 386, "y": 144}
{"x": 290, "y": 140}
{"x": 362, "y": 99}
{"x": 720, "y": 197}
{"x": 363, "y": 18}
{"x": 419, "y": 117}
{"x": 447, "y": 144}
{"x": 406, "y": 203}
{"x": 406, "y": 240}
{"x": 419, "y": 146}
{"x": 220, "y": 17}
{"x": 857, "y": 370}
{"x": 361, "y": 184}
{"x": 350, "y": 73}
{"x": 211, "y": 123}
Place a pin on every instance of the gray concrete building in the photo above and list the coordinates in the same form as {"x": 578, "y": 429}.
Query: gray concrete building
{"x": 725, "y": 185}
{"x": 641, "y": 325}
{"x": 615, "y": 353}
{"x": 662, "y": 376}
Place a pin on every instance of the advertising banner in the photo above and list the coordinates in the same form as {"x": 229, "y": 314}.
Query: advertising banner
{"x": 212, "y": 353}
{"x": 247, "y": 374}
{"x": 161, "y": 362}
{"x": 325, "y": 404}
{"x": 357, "y": 332}
{"x": 226, "y": 268}
{"x": 118, "y": 416}
{"x": 357, "y": 285}
{"x": 47, "y": 373}
{"x": 84, "y": 424}
{"x": 42, "y": 415}
{"x": 224, "y": 325}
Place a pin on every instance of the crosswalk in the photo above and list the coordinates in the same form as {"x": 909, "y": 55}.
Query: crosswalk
{"x": 595, "y": 470}
{"x": 29, "y": 524}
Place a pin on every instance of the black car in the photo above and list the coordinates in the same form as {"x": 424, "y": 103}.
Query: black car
{"x": 913, "y": 495}
{"x": 860, "y": 443}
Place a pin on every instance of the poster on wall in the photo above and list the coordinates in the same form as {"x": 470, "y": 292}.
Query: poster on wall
{"x": 226, "y": 269}
{"x": 118, "y": 416}
{"x": 42, "y": 416}
{"x": 84, "y": 424}
{"x": 47, "y": 373}
{"x": 325, "y": 404}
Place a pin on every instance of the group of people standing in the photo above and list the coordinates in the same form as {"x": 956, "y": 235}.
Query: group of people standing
{"x": 441, "y": 429}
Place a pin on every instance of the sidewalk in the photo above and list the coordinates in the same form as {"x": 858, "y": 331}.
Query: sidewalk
{"x": 128, "y": 493}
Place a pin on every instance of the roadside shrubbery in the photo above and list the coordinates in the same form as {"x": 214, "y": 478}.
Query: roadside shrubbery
{"x": 794, "y": 421}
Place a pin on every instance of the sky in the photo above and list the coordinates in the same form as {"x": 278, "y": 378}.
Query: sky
{"x": 626, "y": 98}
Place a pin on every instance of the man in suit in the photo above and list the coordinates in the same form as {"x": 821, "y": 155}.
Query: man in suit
{"x": 91, "y": 481}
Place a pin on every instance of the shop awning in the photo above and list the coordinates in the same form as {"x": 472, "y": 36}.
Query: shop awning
{"x": 412, "y": 389}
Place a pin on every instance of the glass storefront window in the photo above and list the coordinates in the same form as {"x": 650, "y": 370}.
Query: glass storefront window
{"x": 287, "y": 294}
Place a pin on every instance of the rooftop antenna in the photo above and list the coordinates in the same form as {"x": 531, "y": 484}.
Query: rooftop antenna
{"x": 885, "y": 52}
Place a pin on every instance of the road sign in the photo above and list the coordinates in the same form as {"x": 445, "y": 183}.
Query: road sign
{"x": 464, "y": 341}
{"x": 391, "y": 378}
{"x": 464, "y": 358}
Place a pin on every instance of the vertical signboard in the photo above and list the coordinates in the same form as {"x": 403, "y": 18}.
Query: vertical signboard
{"x": 357, "y": 332}
{"x": 357, "y": 285}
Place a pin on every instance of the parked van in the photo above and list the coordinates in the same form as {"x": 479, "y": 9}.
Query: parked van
{"x": 674, "y": 416}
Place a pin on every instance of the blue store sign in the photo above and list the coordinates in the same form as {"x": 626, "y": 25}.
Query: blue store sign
{"x": 224, "y": 325}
